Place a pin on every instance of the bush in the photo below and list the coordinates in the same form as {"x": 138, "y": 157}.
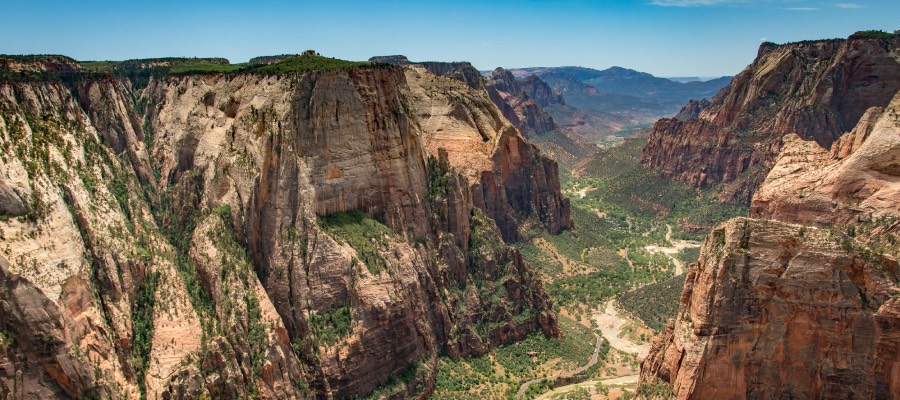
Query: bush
{"x": 331, "y": 326}
{"x": 367, "y": 236}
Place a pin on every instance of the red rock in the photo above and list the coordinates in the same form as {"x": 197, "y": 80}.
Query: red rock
{"x": 816, "y": 89}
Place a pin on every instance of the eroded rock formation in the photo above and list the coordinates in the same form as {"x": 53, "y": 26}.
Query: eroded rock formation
{"x": 775, "y": 310}
{"x": 282, "y": 236}
{"x": 803, "y": 300}
{"x": 517, "y": 106}
{"x": 816, "y": 89}
{"x": 858, "y": 179}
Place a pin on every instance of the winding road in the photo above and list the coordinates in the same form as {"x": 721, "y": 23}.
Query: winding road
{"x": 611, "y": 324}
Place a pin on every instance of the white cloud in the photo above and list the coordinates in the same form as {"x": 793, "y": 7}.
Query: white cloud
{"x": 802, "y": 9}
{"x": 847, "y": 5}
{"x": 763, "y": 39}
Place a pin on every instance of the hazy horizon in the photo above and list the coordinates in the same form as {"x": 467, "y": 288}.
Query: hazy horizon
{"x": 667, "y": 38}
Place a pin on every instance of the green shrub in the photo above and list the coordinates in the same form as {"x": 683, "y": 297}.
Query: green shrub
{"x": 142, "y": 329}
{"x": 366, "y": 235}
{"x": 332, "y": 325}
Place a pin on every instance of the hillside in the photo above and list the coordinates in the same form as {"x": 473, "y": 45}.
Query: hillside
{"x": 306, "y": 228}
{"x": 816, "y": 89}
{"x": 814, "y": 267}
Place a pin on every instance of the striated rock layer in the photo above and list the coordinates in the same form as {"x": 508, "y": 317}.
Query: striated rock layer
{"x": 858, "y": 179}
{"x": 816, "y": 89}
{"x": 512, "y": 181}
{"x": 311, "y": 234}
{"x": 517, "y": 106}
{"x": 774, "y": 310}
{"x": 803, "y": 302}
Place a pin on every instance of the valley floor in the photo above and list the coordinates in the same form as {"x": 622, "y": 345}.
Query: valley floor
{"x": 617, "y": 276}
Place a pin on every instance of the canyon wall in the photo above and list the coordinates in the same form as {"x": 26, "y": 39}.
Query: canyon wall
{"x": 305, "y": 234}
{"x": 802, "y": 300}
{"x": 815, "y": 89}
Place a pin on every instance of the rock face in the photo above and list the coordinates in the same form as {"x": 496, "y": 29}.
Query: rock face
{"x": 692, "y": 110}
{"x": 511, "y": 180}
{"x": 516, "y": 105}
{"x": 540, "y": 92}
{"x": 803, "y": 301}
{"x": 858, "y": 179}
{"x": 311, "y": 234}
{"x": 817, "y": 89}
{"x": 775, "y": 310}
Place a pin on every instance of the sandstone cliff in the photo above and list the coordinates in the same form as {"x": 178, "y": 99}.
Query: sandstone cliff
{"x": 511, "y": 180}
{"x": 522, "y": 102}
{"x": 275, "y": 235}
{"x": 859, "y": 179}
{"x": 804, "y": 301}
{"x": 774, "y": 310}
{"x": 816, "y": 89}
{"x": 516, "y": 105}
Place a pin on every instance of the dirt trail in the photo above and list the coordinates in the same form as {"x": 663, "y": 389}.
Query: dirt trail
{"x": 672, "y": 251}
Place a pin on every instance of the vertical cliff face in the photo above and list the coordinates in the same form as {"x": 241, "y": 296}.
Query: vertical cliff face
{"x": 284, "y": 236}
{"x": 511, "y": 180}
{"x": 818, "y": 90}
{"x": 517, "y": 106}
{"x": 775, "y": 310}
{"x": 801, "y": 302}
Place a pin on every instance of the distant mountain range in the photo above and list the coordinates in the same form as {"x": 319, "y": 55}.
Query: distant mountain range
{"x": 629, "y": 82}
{"x": 599, "y": 103}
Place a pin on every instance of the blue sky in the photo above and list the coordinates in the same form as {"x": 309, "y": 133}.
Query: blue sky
{"x": 663, "y": 37}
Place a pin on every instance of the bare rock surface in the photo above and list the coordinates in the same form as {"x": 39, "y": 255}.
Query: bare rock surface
{"x": 776, "y": 310}
{"x": 199, "y": 235}
{"x": 858, "y": 179}
{"x": 816, "y": 89}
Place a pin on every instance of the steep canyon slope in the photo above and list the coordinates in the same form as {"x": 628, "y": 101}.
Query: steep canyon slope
{"x": 815, "y": 89}
{"x": 308, "y": 233}
{"x": 802, "y": 300}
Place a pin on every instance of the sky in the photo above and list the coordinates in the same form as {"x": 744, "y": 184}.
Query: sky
{"x": 664, "y": 37}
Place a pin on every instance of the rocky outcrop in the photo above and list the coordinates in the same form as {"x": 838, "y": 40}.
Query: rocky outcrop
{"x": 393, "y": 60}
{"x": 516, "y": 105}
{"x": 816, "y": 89}
{"x": 775, "y": 310}
{"x": 511, "y": 180}
{"x": 859, "y": 179}
{"x": 459, "y": 70}
{"x": 803, "y": 301}
{"x": 514, "y": 99}
{"x": 692, "y": 110}
{"x": 280, "y": 236}
{"x": 540, "y": 92}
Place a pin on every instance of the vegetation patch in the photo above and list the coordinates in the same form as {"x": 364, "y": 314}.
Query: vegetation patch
{"x": 142, "y": 313}
{"x": 331, "y": 326}
{"x": 366, "y": 235}
{"x": 620, "y": 181}
{"x": 499, "y": 374}
{"x": 656, "y": 303}
{"x": 6, "y": 341}
{"x": 411, "y": 382}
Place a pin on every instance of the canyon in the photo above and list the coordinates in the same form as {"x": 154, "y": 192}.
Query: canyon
{"x": 275, "y": 231}
{"x": 815, "y": 89}
{"x": 800, "y": 298}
